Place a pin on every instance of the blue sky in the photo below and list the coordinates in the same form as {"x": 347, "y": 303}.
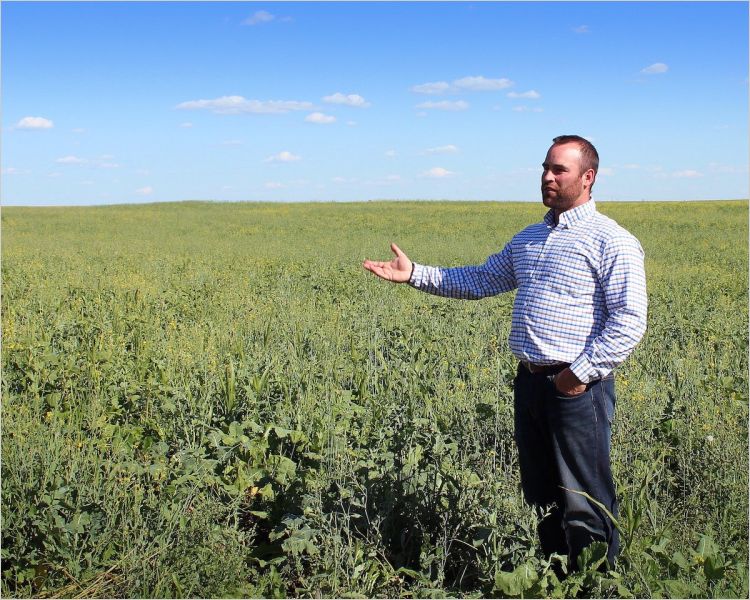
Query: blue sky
{"x": 281, "y": 101}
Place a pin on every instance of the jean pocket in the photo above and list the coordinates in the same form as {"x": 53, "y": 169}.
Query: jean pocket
{"x": 562, "y": 396}
{"x": 607, "y": 397}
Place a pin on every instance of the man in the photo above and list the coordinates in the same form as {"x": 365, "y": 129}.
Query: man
{"x": 579, "y": 312}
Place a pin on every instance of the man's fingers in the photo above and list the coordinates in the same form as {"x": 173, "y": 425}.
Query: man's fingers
{"x": 374, "y": 266}
{"x": 396, "y": 250}
{"x": 380, "y": 270}
{"x": 371, "y": 265}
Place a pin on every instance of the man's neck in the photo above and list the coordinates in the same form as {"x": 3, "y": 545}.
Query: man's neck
{"x": 579, "y": 202}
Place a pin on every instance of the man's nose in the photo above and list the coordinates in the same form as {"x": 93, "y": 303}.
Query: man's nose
{"x": 547, "y": 175}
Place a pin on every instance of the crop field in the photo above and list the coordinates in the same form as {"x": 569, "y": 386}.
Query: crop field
{"x": 216, "y": 400}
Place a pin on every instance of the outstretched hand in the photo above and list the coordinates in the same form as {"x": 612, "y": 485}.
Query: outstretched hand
{"x": 398, "y": 270}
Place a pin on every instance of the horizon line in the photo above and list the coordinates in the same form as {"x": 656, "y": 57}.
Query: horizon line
{"x": 374, "y": 200}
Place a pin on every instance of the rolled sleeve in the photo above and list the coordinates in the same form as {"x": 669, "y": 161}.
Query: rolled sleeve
{"x": 623, "y": 280}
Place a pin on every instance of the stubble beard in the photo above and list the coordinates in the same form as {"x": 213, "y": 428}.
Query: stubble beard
{"x": 562, "y": 199}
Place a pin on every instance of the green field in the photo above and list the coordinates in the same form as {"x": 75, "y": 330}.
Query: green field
{"x": 207, "y": 399}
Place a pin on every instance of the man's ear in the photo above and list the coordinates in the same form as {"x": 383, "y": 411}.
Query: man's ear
{"x": 588, "y": 178}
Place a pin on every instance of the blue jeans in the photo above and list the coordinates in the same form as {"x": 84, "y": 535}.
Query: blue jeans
{"x": 564, "y": 442}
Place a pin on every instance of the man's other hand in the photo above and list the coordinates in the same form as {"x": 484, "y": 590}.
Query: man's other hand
{"x": 568, "y": 384}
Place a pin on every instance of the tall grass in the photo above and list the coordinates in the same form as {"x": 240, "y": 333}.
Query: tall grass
{"x": 216, "y": 400}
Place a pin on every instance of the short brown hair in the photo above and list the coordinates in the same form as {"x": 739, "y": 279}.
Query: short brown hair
{"x": 589, "y": 155}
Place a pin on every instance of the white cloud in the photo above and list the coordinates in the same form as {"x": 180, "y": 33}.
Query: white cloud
{"x": 347, "y": 100}
{"x": 687, "y": 174}
{"x": 260, "y": 16}
{"x": 474, "y": 83}
{"x": 15, "y": 171}
{"x": 351, "y": 123}
{"x": 388, "y": 180}
{"x": 530, "y": 95}
{"x": 108, "y": 165}
{"x": 71, "y": 160}
{"x": 527, "y": 109}
{"x": 235, "y": 105}
{"x": 284, "y": 156}
{"x": 448, "y": 149}
{"x": 320, "y": 118}
{"x": 186, "y": 125}
{"x": 339, "y": 180}
{"x": 720, "y": 168}
{"x": 582, "y": 29}
{"x": 232, "y": 143}
{"x": 655, "y": 69}
{"x": 390, "y": 153}
{"x": 34, "y": 123}
{"x": 482, "y": 84}
{"x": 437, "y": 173}
{"x": 436, "y": 87}
{"x": 606, "y": 171}
{"x": 78, "y": 130}
{"x": 145, "y": 191}
{"x": 445, "y": 105}
{"x": 273, "y": 185}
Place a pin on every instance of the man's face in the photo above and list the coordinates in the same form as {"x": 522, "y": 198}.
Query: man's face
{"x": 563, "y": 184}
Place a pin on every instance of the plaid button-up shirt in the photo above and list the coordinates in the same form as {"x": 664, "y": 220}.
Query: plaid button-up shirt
{"x": 581, "y": 290}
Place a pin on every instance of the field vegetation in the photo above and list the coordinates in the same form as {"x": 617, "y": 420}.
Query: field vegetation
{"x": 207, "y": 399}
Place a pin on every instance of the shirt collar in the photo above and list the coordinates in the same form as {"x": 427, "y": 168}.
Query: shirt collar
{"x": 571, "y": 217}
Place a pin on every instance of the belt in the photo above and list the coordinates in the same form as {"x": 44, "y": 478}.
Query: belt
{"x": 544, "y": 369}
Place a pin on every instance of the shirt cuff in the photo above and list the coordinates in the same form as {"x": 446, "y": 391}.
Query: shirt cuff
{"x": 417, "y": 275}
{"x": 583, "y": 369}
